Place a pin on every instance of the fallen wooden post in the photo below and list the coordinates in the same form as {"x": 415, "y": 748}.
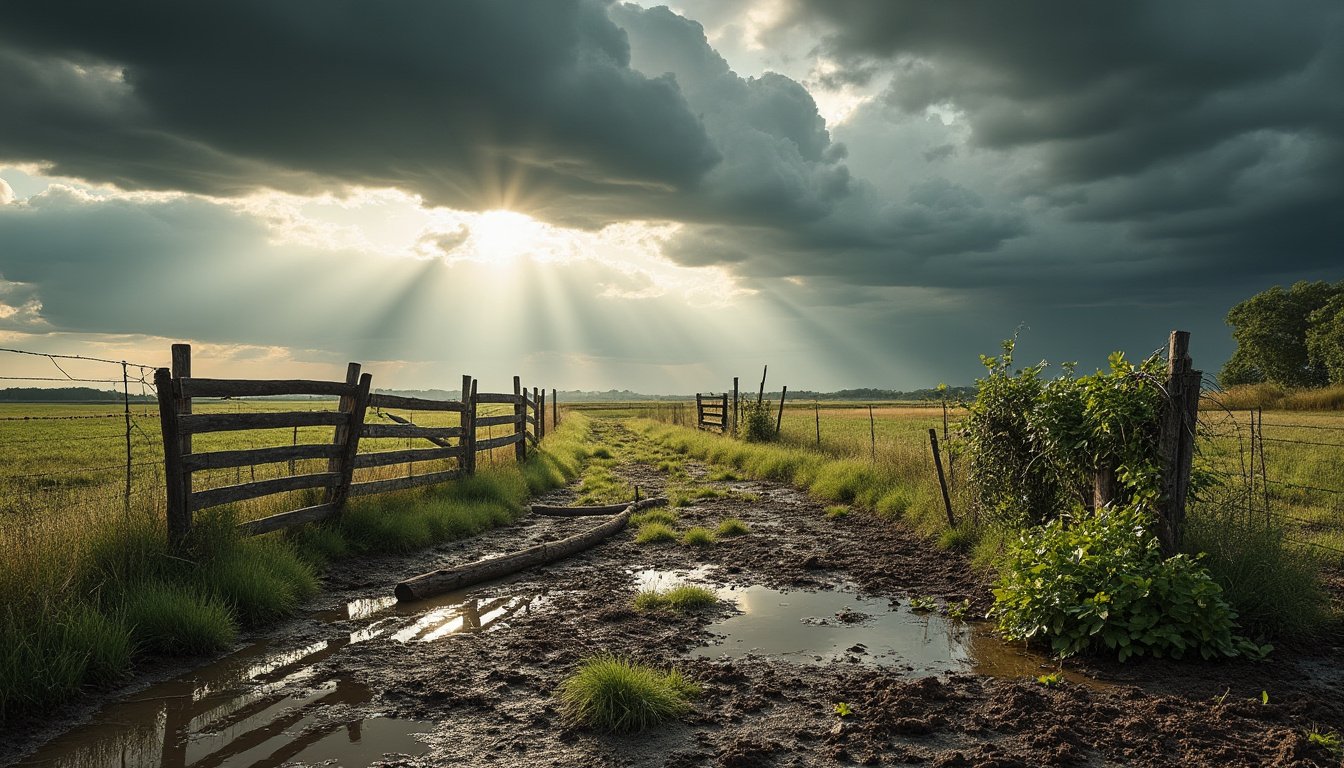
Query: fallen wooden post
{"x": 450, "y": 579}
{"x": 603, "y": 509}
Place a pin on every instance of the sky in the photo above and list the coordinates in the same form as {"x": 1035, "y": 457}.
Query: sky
{"x": 596, "y": 195}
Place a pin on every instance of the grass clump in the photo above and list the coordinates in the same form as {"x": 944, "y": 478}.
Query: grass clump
{"x": 731, "y": 526}
{"x": 174, "y": 618}
{"x": 653, "y": 533}
{"x": 699, "y": 537}
{"x": 613, "y": 694}
{"x": 837, "y": 510}
{"x": 1273, "y": 585}
{"x": 659, "y": 515}
{"x": 683, "y": 598}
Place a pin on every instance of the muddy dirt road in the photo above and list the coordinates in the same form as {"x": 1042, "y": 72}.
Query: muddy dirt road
{"x": 816, "y": 611}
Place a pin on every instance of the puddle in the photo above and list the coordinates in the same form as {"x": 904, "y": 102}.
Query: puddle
{"x": 266, "y": 706}
{"x": 841, "y": 627}
{"x": 649, "y": 579}
{"x": 254, "y": 708}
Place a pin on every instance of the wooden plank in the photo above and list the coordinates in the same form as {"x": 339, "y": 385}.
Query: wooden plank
{"x": 494, "y": 421}
{"x": 287, "y": 519}
{"x": 402, "y": 483}
{"x": 231, "y": 493}
{"x": 226, "y": 422}
{"x": 262, "y": 387}
{"x": 409, "y": 430}
{"x": 414, "y": 403}
{"x": 348, "y": 437}
{"x": 383, "y": 458}
{"x": 497, "y": 397}
{"x": 532, "y": 439}
{"x": 530, "y": 420}
{"x": 178, "y": 481}
{"x": 243, "y": 458}
{"x": 497, "y": 442}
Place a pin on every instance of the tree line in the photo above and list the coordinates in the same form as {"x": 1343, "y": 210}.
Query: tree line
{"x": 1292, "y": 337}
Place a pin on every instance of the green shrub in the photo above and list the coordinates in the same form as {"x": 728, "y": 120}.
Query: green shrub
{"x": 731, "y": 526}
{"x": 651, "y": 533}
{"x": 613, "y": 694}
{"x": 758, "y": 424}
{"x": 684, "y": 598}
{"x": 1101, "y": 582}
{"x": 698, "y": 537}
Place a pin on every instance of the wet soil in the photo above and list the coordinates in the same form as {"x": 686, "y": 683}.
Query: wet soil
{"x": 469, "y": 678}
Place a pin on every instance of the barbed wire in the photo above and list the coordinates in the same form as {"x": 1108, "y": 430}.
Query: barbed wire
{"x": 53, "y": 357}
{"x": 1300, "y": 442}
{"x": 1305, "y": 487}
{"x": 1305, "y": 426}
{"x": 79, "y": 470}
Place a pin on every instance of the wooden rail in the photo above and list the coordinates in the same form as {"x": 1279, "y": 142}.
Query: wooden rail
{"x": 341, "y": 454}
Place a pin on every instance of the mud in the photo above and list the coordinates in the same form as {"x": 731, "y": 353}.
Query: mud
{"x": 470, "y": 678}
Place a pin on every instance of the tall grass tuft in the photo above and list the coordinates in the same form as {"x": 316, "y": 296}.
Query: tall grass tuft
{"x": 614, "y": 694}
{"x": 684, "y": 598}
{"x": 1272, "y": 584}
{"x": 174, "y": 618}
{"x": 731, "y": 526}
{"x": 653, "y": 533}
{"x": 699, "y": 537}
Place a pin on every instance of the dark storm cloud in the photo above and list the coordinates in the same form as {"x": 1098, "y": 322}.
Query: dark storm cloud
{"x": 463, "y": 102}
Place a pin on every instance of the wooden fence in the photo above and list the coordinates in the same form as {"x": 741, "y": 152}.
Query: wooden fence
{"x": 458, "y": 444}
{"x": 711, "y": 412}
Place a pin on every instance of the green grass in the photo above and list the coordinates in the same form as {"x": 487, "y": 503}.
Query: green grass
{"x": 731, "y": 526}
{"x": 699, "y": 537}
{"x": 178, "y": 619}
{"x": 684, "y": 598}
{"x": 613, "y": 694}
{"x": 88, "y": 590}
{"x": 837, "y": 510}
{"x": 653, "y": 533}
{"x": 659, "y": 515}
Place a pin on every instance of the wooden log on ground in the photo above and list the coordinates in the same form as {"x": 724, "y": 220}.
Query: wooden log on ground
{"x": 603, "y": 509}
{"x": 450, "y": 579}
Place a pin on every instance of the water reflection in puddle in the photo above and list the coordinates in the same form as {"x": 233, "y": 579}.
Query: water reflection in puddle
{"x": 841, "y": 627}
{"x": 254, "y": 708}
{"x": 267, "y": 706}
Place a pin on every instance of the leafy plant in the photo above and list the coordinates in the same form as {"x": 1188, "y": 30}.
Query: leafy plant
{"x": 1326, "y": 740}
{"x": 843, "y": 709}
{"x": 923, "y": 604}
{"x": 1099, "y": 582}
{"x": 957, "y": 611}
{"x": 1051, "y": 679}
{"x": 757, "y": 424}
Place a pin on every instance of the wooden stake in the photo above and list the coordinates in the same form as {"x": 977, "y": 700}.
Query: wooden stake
{"x": 816, "y": 409}
{"x": 555, "y": 410}
{"x": 175, "y": 479}
{"x": 468, "y": 423}
{"x": 942, "y": 481}
{"x": 1176, "y": 442}
{"x": 735, "y": 406}
{"x": 520, "y": 413}
{"x": 872, "y": 434}
{"x": 760, "y": 396}
{"x": 779, "y": 420}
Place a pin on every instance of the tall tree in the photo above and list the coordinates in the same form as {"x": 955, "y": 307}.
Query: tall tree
{"x": 1271, "y": 332}
{"x": 1325, "y": 338}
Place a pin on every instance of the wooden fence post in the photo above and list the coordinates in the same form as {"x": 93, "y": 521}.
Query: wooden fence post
{"x": 942, "y": 481}
{"x": 179, "y": 520}
{"x": 1176, "y": 442}
{"x": 182, "y": 370}
{"x": 734, "y": 428}
{"x": 520, "y": 415}
{"x": 555, "y": 410}
{"x": 724, "y": 420}
{"x": 341, "y": 438}
{"x": 699, "y": 411}
{"x": 541, "y": 414}
{"x": 537, "y": 415}
{"x": 779, "y": 420}
{"x": 345, "y": 463}
{"x": 760, "y": 396}
{"x": 470, "y": 427}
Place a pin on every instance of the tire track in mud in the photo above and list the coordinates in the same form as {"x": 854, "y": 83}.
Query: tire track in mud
{"x": 469, "y": 678}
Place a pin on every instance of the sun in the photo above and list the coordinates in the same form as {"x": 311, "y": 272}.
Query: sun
{"x": 502, "y": 237}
